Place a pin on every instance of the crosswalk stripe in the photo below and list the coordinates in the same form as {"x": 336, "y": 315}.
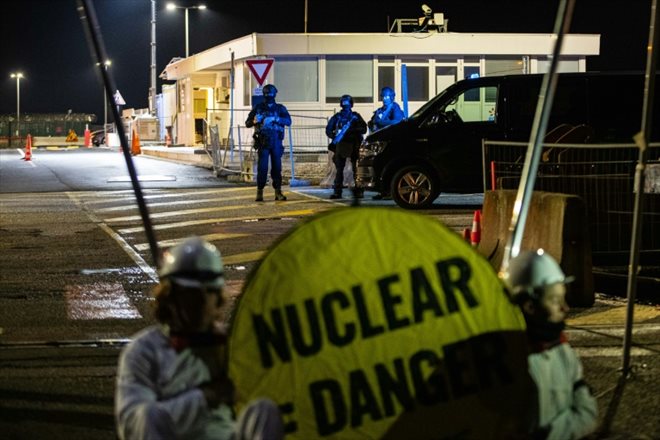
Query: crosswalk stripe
{"x": 132, "y": 218}
{"x": 179, "y": 202}
{"x": 245, "y": 257}
{"x": 206, "y": 221}
{"x": 100, "y": 197}
{"x": 175, "y": 241}
{"x": 585, "y": 352}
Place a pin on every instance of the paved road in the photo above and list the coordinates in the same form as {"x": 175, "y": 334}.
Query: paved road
{"x": 76, "y": 272}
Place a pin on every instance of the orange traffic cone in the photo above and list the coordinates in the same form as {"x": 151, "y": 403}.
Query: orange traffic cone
{"x": 135, "y": 144}
{"x": 467, "y": 233}
{"x": 88, "y": 137}
{"x": 475, "y": 234}
{"x": 28, "y": 148}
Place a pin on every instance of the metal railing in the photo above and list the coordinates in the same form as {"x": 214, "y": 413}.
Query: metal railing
{"x": 42, "y": 125}
{"x": 305, "y": 145}
{"x": 603, "y": 176}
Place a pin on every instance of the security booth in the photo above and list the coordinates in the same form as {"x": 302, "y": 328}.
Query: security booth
{"x": 311, "y": 71}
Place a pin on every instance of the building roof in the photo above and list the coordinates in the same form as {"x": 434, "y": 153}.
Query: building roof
{"x": 385, "y": 44}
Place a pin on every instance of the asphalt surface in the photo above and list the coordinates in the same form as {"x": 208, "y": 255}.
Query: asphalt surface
{"x": 64, "y": 390}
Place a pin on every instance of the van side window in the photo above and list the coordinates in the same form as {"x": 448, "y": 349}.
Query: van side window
{"x": 478, "y": 104}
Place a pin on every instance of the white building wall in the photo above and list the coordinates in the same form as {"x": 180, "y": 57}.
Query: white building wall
{"x": 466, "y": 52}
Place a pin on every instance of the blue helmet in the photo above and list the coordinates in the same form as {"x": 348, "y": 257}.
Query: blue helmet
{"x": 348, "y": 98}
{"x": 270, "y": 90}
{"x": 387, "y": 91}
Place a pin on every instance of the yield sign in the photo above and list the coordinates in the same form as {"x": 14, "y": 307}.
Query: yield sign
{"x": 260, "y": 68}
{"x": 119, "y": 100}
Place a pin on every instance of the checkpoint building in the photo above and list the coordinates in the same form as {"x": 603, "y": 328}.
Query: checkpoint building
{"x": 311, "y": 71}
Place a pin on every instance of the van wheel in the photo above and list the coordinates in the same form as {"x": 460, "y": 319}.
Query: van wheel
{"x": 414, "y": 187}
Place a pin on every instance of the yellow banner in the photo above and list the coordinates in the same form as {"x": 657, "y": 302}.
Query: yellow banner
{"x": 378, "y": 322}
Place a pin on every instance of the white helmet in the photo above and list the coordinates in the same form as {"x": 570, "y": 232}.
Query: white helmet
{"x": 193, "y": 263}
{"x": 530, "y": 271}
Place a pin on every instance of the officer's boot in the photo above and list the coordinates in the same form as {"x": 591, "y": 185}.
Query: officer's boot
{"x": 260, "y": 195}
{"x": 279, "y": 195}
{"x": 336, "y": 194}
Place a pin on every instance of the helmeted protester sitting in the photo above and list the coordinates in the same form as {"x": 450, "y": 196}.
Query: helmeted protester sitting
{"x": 566, "y": 409}
{"x": 172, "y": 377}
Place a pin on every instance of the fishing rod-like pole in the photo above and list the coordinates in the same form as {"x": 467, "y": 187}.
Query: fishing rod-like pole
{"x": 92, "y": 29}
{"x": 539, "y": 127}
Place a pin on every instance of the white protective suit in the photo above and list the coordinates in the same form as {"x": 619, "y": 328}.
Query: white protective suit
{"x": 158, "y": 395}
{"x": 566, "y": 405}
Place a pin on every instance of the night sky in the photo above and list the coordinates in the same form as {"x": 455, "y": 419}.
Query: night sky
{"x": 45, "y": 40}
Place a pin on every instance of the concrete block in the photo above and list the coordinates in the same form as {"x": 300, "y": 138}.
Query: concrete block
{"x": 556, "y": 222}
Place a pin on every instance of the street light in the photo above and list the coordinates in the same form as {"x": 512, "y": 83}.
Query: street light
{"x": 106, "y": 64}
{"x": 18, "y": 76}
{"x": 172, "y": 6}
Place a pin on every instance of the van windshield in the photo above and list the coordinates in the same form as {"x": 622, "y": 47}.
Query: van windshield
{"x": 475, "y": 104}
{"x": 429, "y": 104}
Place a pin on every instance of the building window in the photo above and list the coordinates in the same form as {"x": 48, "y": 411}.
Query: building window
{"x": 385, "y": 77}
{"x": 297, "y": 79}
{"x": 565, "y": 65}
{"x": 503, "y": 67}
{"x": 445, "y": 76}
{"x": 352, "y": 77}
{"x": 418, "y": 83}
{"x": 471, "y": 72}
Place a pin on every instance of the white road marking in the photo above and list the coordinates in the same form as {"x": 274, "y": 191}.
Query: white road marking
{"x": 131, "y": 218}
{"x": 208, "y": 221}
{"x": 612, "y": 351}
{"x": 148, "y": 270}
{"x": 245, "y": 257}
{"x": 180, "y": 202}
{"x": 174, "y": 242}
{"x": 144, "y": 178}
{"x": 112, "y": 197}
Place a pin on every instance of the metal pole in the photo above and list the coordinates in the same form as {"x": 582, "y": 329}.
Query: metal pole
{"x": 186, "y": 15}
{"x": 18, "y": 107}
{"x": 105, "y": 112}
{"x": 18, "y": 76}
{"x": 642, "y": 141}
{"x": 541, "y": 116}
{"x": 152, "y": 87}
{"x": 305, "y": 16}
{"x": 91, "y": 25}
{"x": 105, "y": 118}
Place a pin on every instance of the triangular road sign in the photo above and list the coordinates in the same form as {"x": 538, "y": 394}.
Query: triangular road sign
{"x": 260, "y": 68}
{"x": 119, "y": 100}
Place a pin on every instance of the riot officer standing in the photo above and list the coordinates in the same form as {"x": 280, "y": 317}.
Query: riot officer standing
{"x": 388, "y": 114}
{"x": 345, "y": 129}
{"x": 269, "y": 119}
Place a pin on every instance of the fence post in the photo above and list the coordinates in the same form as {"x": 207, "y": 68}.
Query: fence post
{"x": 293, "y": 173}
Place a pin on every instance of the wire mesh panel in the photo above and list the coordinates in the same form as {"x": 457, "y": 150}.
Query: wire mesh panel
{"x": 305, "y": 144}
{"x": 603, "y": 176}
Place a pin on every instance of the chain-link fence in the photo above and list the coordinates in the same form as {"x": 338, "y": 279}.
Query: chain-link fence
{"x": 13, "y": 134}
{"x": 603, "y": 176}
{"x": 230, "y": 144}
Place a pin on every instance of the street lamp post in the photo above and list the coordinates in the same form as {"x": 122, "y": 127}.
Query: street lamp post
{"x": 106, "y": 63}
{"x": 172, "y": 6}
{"x": 18, "y": 76}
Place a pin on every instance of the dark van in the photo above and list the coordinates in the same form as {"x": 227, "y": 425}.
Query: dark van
{"x": 438, "y": 149}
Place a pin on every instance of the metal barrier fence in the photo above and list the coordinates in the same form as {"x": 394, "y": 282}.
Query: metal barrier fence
{"x": 42, "y": 125}
{"x": 305, "y": 145}
{"x": 603, "y": 176}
